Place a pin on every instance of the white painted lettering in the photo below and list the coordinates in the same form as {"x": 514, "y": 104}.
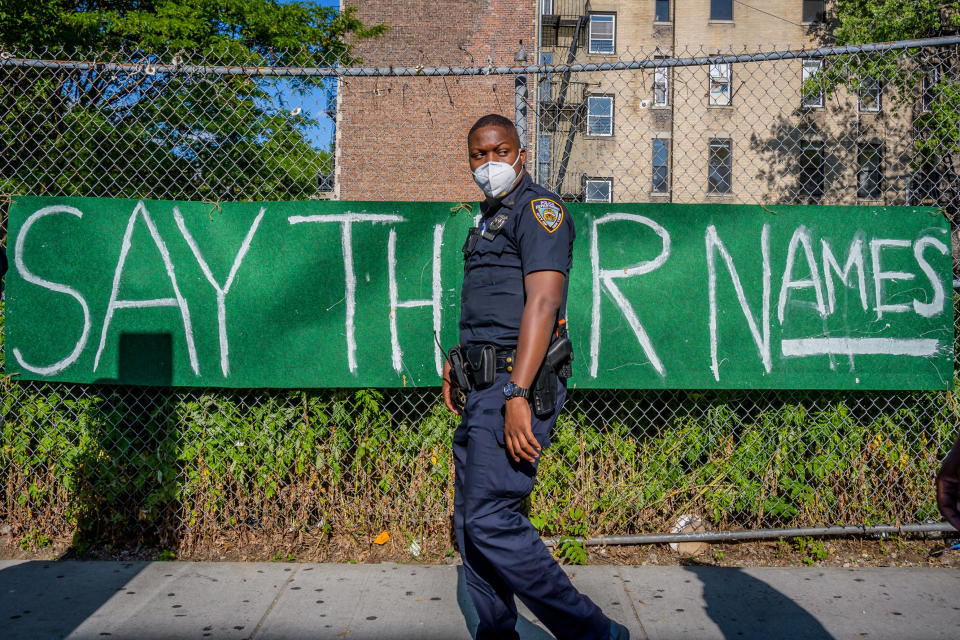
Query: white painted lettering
{"x": 395, "y": 303}
{"x": 832, "y": 266}
{"x": 606, "y": 278}
{"x": 761, "y": 334}
{"x": 801, "y": 347}
{"x": 222, "y": 291}
{"x": 801, "y": 236}
{"x": 177, "y": 301}
{"x": 29, "y": 276}
{"x": 346, "y": 221}
{"x": 877, "y": 245}
{"x": 935, "y": 306}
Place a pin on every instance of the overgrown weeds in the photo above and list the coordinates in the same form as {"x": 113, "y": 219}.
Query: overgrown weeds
{"x": 125, "y": 464}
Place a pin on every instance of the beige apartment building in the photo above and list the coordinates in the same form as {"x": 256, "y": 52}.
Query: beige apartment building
{"x": 751, "y": 132}
{"x": 729, "y": 132}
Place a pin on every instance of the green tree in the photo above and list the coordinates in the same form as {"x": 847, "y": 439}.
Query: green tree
{"x": 140, "y": 132}
{"x": 862, "y": 21}
{"x": 921, "y": 84}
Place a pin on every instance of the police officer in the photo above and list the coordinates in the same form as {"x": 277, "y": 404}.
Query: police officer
{"x": 948, "y": 487}
{"x": 516, "y": 263}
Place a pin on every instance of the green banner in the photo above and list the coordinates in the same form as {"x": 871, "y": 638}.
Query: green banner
{"x": 351, "y": 294}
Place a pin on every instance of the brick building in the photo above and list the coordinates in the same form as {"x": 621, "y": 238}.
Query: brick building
{"x": 403, "y": 138}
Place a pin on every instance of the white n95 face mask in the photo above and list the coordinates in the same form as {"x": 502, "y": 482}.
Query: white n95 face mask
{"x": 495, "y": 178}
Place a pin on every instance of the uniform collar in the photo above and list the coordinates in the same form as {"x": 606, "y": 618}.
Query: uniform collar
{"x": 509, "y": 200}
{"x": 517, "y": 193}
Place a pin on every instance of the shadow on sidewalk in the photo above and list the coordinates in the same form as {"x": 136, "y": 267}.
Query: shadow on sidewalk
{"x": 744, "y": 607}
{"x": 526, "y": 629}
{"x": 51, "y": 599}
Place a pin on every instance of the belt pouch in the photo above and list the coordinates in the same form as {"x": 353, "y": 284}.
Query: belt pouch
{"x": 482, "y": 361}
{"x": 457, "y": 369}
{"x": 544, "y": 391}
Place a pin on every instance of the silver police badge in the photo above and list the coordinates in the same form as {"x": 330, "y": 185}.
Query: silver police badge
{"x": 497, "y": 222}
{"x": 548, "y": 212}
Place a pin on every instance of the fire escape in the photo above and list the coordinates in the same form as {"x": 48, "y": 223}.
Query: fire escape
{"x": 562, "y": 105}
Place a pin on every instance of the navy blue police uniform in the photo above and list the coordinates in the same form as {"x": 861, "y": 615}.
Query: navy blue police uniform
{"x": 528, "y": 230}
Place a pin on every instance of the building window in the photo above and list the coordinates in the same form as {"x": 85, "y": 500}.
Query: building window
{"x": 661, "y": 87}
{"x": 662, "y": 11}
{"x": 598, "y": 190}
{"x": 603, "y": 28}
{"x": 721, "y": 9}
{"x": 814, "y": 10}
{"x": 928, "y": 88}
{"x": 545, "y": 87}
{"x": 600, "y": 115}
{"x": 869, "y": 93}
{"x": 719, "y": 166}
{"x": 660, "y": 176}
{"x": 810, "y": 166}
{"x": 870, "y": 171}
{"x": 812, "y": 89}
{"x": 544, "y": 157}
{"x": 925, "y": 183}
{"x": 720, "y": 84}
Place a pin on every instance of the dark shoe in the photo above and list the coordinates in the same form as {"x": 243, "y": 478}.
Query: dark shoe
{"x": 618, "y": 631}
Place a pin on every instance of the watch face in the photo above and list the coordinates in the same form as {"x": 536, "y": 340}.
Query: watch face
{"x": 509, "y": 388}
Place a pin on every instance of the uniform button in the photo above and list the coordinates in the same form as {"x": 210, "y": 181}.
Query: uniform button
{"x": 509, "y": 359}
{"x": 509, "y": 369}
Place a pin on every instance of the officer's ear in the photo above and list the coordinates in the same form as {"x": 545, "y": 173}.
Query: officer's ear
{"x": 523, "y": 157}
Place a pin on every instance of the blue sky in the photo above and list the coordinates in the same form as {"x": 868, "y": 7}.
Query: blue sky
{"x": 313, "y": 103}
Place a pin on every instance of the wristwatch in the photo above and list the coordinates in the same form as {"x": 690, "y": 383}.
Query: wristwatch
{"x": 513, "y": 390}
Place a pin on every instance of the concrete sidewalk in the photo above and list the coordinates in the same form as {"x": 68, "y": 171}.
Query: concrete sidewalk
{"x": 154, "y": 600}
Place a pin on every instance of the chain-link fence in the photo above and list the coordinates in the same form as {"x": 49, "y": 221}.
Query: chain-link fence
{"x": 855, "y": 126}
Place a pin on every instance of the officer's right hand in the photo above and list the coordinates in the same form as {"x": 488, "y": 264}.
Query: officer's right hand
{"x": 451, "y": 391}
{"x": 948, "y": 487}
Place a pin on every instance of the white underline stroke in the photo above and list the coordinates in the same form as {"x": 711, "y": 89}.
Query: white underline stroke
{"x": 917, "y": 347}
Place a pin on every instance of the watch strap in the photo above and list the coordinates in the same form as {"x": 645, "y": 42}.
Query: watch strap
{"x": 518, "y": 392}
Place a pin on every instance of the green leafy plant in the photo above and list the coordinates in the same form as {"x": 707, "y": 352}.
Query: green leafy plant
{"x": 811, "y": 550}
{"x": 572, "y": 551}
{"x": 34, "y": 540}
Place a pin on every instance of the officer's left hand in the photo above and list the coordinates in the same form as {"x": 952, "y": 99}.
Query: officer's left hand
{"x": 948, "y": 487}
{"x": 451, "y": 391}
{"x": 517, "y": 434}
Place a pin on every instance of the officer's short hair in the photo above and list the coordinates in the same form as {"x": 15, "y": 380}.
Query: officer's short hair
{"x": 495, "y": 120}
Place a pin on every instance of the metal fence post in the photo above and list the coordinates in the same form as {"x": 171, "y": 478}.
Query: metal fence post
{"x": 520, "y": 96}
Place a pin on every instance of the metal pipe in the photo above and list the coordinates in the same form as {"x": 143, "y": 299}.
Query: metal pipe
{"x": 520, "y": 98}
{"x": 757, "y": 534}
{"x": 6, "y": 60}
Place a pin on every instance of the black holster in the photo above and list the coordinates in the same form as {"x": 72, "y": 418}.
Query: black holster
{"x": 556, "y": 364}
{"x": 457, "y": 369}
{"x": 544, "y": 391}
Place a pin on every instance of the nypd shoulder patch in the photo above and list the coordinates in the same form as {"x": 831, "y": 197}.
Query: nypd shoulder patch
{"x": 548, "y": 213}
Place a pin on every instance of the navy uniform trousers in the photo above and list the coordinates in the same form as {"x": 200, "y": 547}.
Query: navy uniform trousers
{"x": 502, "y": 553}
